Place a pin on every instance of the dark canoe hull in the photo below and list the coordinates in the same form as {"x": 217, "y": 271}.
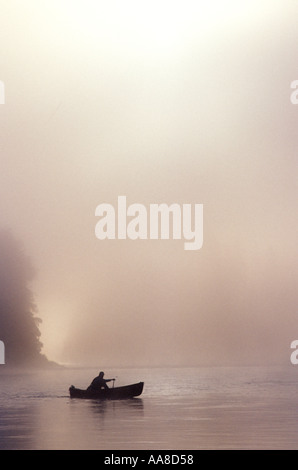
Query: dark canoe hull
{"x": 116, "y": 393}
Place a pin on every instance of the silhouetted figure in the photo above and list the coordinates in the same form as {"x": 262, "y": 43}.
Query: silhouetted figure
{"x": 99, "y": 382}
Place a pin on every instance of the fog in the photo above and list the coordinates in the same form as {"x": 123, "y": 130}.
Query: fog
{"x": 162, "y": 102}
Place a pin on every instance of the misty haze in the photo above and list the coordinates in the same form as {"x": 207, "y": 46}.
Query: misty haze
{"x": 201, "y": 114}
{"x": 179, "y": 106}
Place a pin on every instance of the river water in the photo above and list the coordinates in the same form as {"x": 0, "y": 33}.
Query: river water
{"x": 180, "y": 409}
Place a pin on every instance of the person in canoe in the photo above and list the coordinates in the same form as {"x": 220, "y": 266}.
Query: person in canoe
{"x": 99, "y": 382}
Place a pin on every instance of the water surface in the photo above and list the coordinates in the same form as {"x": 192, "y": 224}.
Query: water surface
{"x": 180, "y": 409}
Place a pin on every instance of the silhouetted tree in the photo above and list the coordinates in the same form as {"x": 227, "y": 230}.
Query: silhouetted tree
{"x": 19, "y": 327}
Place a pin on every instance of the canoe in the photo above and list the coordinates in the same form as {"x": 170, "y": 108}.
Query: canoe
{"x": 116, "y": 393}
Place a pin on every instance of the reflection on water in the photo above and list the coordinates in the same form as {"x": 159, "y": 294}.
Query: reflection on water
{"x": 88, "y": 424}
{"x": 15, "y": 426}
{"x": 133, "y": 405}
{"x": 179, "y": 409}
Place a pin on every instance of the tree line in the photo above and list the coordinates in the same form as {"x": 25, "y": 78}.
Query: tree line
{"x": 19, "y": 323}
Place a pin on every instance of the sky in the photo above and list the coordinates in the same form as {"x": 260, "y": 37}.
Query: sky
{"x": 184, "y": 102}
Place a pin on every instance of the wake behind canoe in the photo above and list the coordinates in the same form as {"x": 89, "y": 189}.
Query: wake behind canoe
{"x": 116, "y": 393}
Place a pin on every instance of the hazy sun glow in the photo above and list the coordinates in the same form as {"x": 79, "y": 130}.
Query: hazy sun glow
{"x": 183, "y": 102}
{"x": 156, "y": 26}
{"x": 54, "y": 313}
